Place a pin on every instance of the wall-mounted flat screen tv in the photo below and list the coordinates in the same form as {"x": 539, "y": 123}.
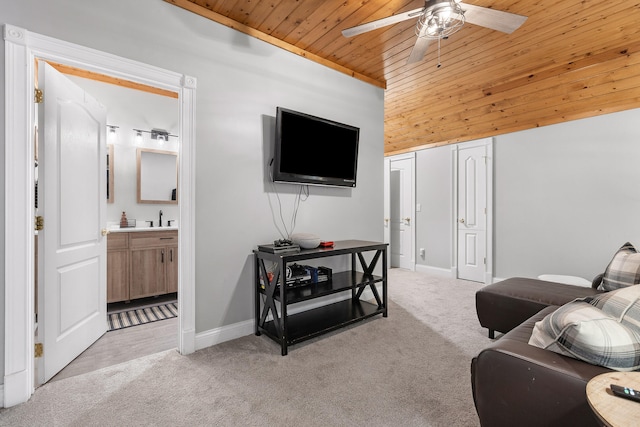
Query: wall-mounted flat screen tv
{"x": 312, "y": 150}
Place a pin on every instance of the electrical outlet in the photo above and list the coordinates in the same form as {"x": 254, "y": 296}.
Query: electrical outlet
{"x": 422, "y": 252}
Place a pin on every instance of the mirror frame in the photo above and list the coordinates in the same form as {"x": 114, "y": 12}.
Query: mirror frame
{"x": 139, "y": 152}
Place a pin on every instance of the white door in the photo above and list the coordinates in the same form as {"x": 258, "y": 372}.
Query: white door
{"x": 401, "y": 213}
{"x": 472, "y": 213}
{"x": 387, "y": 206}
{"x": 72, "y": 311}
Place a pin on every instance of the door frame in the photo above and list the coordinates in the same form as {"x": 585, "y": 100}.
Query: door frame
{"x": 21, "y": 49}
{"x": 387, "y": 196}
{"x": 488, "y": 144}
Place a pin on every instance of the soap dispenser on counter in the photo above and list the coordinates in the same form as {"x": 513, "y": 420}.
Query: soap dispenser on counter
{"x": 123, "y": 220}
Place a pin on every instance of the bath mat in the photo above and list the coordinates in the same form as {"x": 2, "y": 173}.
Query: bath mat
{"x": 141, "y": 316}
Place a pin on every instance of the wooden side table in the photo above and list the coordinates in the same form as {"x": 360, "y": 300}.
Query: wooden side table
{"x": 612, "y": 410}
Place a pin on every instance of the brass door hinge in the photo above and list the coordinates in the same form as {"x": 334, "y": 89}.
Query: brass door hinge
{"x": 38, "y": 350}
{"x": 39, "y": 222}
{"x": 38, "y": 96}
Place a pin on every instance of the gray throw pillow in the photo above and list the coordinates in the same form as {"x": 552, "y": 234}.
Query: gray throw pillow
{"x": 623, "y": 270}
{"x": 602, "y": 330}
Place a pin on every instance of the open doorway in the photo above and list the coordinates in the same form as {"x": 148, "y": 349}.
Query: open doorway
{"x": 400, "y": 220}
{"x": 141, "y": 256}
{"x": 21, "y": 49}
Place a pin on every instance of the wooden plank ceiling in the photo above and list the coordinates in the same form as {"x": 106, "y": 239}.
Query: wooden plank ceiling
{"x": 571, "y": 59}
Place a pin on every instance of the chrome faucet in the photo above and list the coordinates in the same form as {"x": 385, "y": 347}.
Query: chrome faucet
{"x": 160, "y": 221}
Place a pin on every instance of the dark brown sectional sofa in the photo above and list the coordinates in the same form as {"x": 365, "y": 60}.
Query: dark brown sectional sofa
{"x": 517, "y": 384}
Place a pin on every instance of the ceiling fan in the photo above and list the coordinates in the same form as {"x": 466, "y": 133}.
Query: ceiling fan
{"x": 438, "y": 19}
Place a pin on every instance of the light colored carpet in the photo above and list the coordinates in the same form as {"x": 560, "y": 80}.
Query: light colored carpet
{"x": 410, "y": 369}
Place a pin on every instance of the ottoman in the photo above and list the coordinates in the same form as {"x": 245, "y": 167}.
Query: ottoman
{"x": 504, "y": 305}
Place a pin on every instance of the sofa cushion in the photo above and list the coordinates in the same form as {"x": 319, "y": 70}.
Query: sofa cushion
{"x": 602, "y": 330}
{"x": 623, "y": 270}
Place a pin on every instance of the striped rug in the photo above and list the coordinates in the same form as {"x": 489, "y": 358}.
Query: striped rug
{"x": 141, "y": 316}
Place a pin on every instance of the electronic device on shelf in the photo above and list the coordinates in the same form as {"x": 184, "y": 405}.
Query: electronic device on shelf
{"x": 316, "y": 151}
{"x": 279, "y": 248}
{"x": 282, "y": 242}
{"x": 304, "y": 275}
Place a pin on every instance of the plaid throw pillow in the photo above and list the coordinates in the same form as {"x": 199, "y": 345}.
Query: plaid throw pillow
{"x": 623, "y": 270}
{"x": 602, "y": 330}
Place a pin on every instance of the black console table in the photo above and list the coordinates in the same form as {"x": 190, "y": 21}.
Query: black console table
{"x": 291, "y": 329}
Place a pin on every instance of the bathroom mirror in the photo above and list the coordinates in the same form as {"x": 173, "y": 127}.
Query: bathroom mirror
{"x": 110, "y": 174}
{"x": 157, "y": 176}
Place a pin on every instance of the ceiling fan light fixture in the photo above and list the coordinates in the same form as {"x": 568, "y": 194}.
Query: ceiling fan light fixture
{"x": 440, "y": 20}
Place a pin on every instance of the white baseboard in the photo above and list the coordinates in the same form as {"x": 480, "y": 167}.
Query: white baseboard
{"x": 2, "y": 395}
{"x": 224, "y": 333}
{"x": 436, "y": 271}
{"x": 241, "y": 329}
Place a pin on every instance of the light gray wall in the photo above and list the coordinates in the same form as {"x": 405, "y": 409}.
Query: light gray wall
{"x": 434, "y": 192}
{"x": 240, "y": 82}
{"x": 567, "y": 196}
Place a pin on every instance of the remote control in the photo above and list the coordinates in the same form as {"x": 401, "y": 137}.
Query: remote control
{"x": 626, "y": 392}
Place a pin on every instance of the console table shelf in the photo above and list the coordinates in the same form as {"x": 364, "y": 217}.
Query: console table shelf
{"x": 343, "y": 281}
{"x": 273, "y": 299}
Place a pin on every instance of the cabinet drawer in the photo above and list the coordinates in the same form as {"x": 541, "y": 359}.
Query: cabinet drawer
{"x": 147, "y": 239}
{"x": 117, "y": 241}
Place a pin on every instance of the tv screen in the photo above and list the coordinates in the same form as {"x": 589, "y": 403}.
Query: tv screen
{"x": 312, "y": 150}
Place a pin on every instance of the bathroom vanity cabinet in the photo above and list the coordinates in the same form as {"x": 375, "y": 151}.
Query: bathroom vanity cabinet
{"x": 141, "y": 264}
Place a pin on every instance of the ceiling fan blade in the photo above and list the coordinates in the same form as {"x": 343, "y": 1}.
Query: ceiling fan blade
{"x": 490, "y": 18}
{"x": 418, "y": 50}
{"x": 369, "y": 26}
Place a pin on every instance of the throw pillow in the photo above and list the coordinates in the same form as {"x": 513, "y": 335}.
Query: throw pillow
{"x": 584, "y": 332}
{"x": 623, "y": 270}
{"x": 622, "y": 304}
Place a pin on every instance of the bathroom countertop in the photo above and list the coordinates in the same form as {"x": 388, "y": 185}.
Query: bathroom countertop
{"x": 117, "y": 229}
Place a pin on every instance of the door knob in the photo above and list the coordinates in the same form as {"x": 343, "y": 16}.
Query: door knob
{"x": 461, "y": 220}
{"x": 408, "y": 220}
{"x": 105, "y": 232}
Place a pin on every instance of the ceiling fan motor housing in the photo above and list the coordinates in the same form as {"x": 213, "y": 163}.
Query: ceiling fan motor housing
{"x": 440, "y": 19}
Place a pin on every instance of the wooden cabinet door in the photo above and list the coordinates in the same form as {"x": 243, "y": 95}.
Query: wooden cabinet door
{"x": 117, "y": 267}
{"x": 117, "y": 276}
{"x": 172, "y": 268}
{"x": 147, "y": 272}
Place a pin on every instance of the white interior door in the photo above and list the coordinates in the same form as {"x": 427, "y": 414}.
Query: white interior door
{"x": 387, "y": 206}
{"x": 72, "y": 198}
{"x": 472, "y": 213}
{"x": 401, "y": 213}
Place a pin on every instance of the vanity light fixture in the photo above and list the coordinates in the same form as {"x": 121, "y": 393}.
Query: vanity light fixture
{"x": 111, "y": 133}
{"x": 159, "y": 135}
{"x": 138, "y": 139}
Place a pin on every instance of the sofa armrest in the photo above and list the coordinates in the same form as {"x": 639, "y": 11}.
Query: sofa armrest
{"x": 515, "y": 383}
